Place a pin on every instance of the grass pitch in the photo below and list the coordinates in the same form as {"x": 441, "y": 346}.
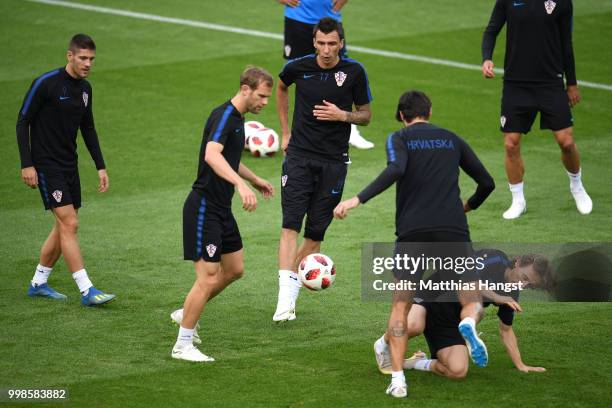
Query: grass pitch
{"x": 154, "y": 85}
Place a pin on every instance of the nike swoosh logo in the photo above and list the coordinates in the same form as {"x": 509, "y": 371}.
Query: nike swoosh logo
{"x": 63, "y": 98}
{"x": 334, "y": 192}
{"x": 518, "y": 4}
{"x": 309, "y": 76}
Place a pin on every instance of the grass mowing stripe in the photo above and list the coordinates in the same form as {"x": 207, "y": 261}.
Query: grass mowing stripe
{"x": 264, "y": 34}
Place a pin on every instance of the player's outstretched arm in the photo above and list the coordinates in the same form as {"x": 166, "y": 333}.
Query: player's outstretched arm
{"x": 282, "y": 108}
{"x": 263, "y": 186}
{"x": 511, "y": 344}
{"x": 221, "y": 167}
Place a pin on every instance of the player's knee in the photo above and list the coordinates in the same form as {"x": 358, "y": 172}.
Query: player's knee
{"x": 415, "y": 328}
{"x": 567, "y": 145}
{"x": 315, "y": 234}
{"x": 457, "y": 371}
{"x": 513, "y": 147}
{"x": 236, "y": 273}
{"x": 69, "y": 225}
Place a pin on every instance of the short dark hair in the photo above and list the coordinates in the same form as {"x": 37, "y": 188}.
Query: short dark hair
{"x": 413, "y": 104}
{"x": 327, "y": 25}
{"x": 81, "y": 42}
{"x": 542, "y": 266}
{"x": 252, "y": 76}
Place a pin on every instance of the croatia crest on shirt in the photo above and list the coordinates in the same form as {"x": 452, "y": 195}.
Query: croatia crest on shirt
{"x": 85, "y": 98}
{"x": 549, "y": 5}
{"x": 340, "y": 77}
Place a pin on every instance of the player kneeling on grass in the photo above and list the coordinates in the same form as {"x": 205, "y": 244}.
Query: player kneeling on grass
{"x": 211, "y": 238}
{"x": 438, "y": 320}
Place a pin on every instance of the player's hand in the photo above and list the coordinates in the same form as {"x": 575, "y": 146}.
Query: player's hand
{"x": 529, "y": 369}
{"x": 29, "y": 176}
{"x": 487, "y": 69}
{"x": 329, "y": 112}
{"x": 265, "y": 188}
{"x": 338, "y": 4}
{"x": 466, "y": 207}
{"x": 511, "y": 303}
{"x": 342, "y": 209}
{"x": 103, "y": 186}
{"x": 285, "y": 143}
{"x": 573, "y": 95}
{"x": 290, "y": 3}
{"x": 249, "y": 201}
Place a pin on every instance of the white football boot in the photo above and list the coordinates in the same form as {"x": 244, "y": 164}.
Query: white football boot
{"x": 177, "y": 317}
{"x": 358, "y": 141}
{"x": 397, "y": 391}
{"x": 190, "y": 352}
{"x": 517, "y": 209}
{"x": 409, "y": 363}
{"x": 383, "y": 360}
{"x": 584, "y": 204}
{"x": 285, "y": 310}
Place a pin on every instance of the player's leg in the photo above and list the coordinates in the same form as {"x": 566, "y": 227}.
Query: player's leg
{"x": 518, "y": 111}
{"x": 298, "y": 39}
{"x": 296, "y": 194}
{"x": 68, "y": 224}
{"x": 208, "y": 283}
{"x": 415, "y": 326}
{"x": 398, "y": 341}
{"x": 49, "y": 254}
{"x": 571, "y": 161}
{"x": 556, "y": 115}
{"x": 452, "y": 362}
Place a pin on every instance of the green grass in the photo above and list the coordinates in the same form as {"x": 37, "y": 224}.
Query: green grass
{"x": 154, "y": 85}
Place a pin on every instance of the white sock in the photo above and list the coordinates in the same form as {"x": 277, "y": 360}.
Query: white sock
{"x": 41, "y": 275}
{"x": 82, "y": 281}
{"x": 289, "y": 284}
{"x": 185, "y": 336}
{"x": 470, "y": 321}
{"x": 423, "y": 365}
{"x": 517, "y": 192}
{"x": 575, "y": 180}
{"x": 398, "y": 378}
{"x": 381, "y": 345}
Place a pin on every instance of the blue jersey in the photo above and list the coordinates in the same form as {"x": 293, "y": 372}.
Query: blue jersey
{"x": 311, "y": 11}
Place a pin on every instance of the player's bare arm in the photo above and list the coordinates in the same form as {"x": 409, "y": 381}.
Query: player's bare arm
{"x": 282, "y": 107}
{"x": 338, "y": 4}
{"x": 221, "y": 167}
{"x": 263, "y": 186}
{"x": 511, "y": 344}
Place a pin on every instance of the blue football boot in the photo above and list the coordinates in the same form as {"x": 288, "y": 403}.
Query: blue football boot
{"x": 96, "y": 297}
{"x": 45, "y": 290}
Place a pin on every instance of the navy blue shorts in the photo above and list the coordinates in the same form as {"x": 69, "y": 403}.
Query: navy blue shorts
{"x": 209, "y": 230}
{"x": 59, "y": 187}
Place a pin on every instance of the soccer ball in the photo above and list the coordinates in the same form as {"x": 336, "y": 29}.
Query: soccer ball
{"x": 251, "y": 127}
{"x": 264, "y": 142}
{"x": 317, "y": 271}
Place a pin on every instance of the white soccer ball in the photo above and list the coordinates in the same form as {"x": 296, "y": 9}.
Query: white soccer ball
{"x": 317, "y": 271}
{"x": 264, "y": 143}
{"x": 251, "y": 127}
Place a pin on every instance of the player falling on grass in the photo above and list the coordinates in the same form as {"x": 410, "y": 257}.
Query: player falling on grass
{"x": 424, "y": 160}
{"x": 438, "y": 320}
{"x": 211, "y": 238}
{"x": 57, "y": 105}
{"x": 327, "y": 87}
{"x": 301, "y": 16}
{"x": 539, "y": 53}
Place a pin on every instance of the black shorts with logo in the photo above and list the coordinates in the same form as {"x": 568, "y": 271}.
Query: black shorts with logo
{"x": 59, "y": 187}
{"x": 441, "y": 326}
{"x": 299, "y": 41}
{"x": 209, "y": 230}
{"x": 521, "y": 103}
{"x": 311, "y": 188}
